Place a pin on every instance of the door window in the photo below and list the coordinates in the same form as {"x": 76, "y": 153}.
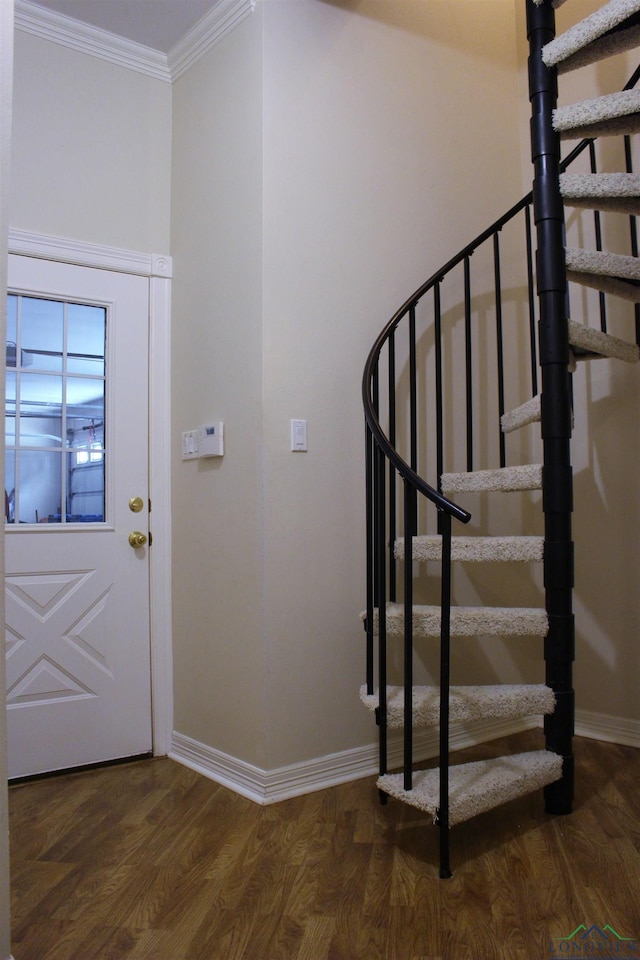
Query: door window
{"x": 55, "y": 411}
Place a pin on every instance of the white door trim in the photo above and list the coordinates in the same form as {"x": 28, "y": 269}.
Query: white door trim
{"x": 27, "y": 244}
{"x": 159, "y": 270}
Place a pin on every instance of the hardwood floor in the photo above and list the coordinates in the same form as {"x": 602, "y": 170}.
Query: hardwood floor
{"x": 150, "y": 861}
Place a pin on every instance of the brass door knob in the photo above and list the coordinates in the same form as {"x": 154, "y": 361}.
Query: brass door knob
{"x": 136, "y": 504}
{"x": 137, "y": 539}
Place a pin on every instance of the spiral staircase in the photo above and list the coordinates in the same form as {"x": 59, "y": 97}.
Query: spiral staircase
{"x": 431, "y": 400}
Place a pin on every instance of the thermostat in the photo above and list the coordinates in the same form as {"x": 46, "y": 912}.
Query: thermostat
{"x": 211, "y": 439}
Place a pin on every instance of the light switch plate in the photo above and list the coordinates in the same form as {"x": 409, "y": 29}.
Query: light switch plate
{"x": 299, "y": 436}
{"x": 190, "y": 445}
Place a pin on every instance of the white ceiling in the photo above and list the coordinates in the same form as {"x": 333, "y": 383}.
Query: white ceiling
{"x": 159, "y": 24}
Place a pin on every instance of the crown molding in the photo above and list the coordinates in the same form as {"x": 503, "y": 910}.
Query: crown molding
{"x": 48, "y": 25}
{"x": 220, "y": 21}
{"x": 68, "y": 32}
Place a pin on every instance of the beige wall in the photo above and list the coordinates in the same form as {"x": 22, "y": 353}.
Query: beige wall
{"x": 218, "y": 542}
{"x": 378, "y": 167}
{"x": 348, "y": 127}
{"x": 91, "y": 149}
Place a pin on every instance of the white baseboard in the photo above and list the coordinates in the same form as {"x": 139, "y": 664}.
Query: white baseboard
{"x": 601, "y": 726}
{"x": 239, "y": 776}
{"x": 282, "y": 783}
{"x": 270, "y": 786}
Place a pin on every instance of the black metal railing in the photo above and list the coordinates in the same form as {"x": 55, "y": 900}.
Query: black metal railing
{"x": 416, "y": 357}
{"x": 394, "y": 484}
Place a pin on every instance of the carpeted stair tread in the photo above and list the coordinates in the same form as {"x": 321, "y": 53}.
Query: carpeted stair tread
{"x": 624, "y": 289}
{"x": 523, "y": 477}
{"x": 477, "y": 787}
{"x": 593, "y": 343}
{"x": 618, "y": 192}
{"x": 610, "y": 272}
{"x": 468, "y": 621}
{"x": 609, "y": 115}
{"x": 528, "y": 412}
{"x": 607, "y": 264}
{"x": 611, "y": 29}
{"x": 507, "y": 701}
{"x": 475, "y": 549}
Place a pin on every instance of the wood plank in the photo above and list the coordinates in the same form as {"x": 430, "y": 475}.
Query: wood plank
{"x": 150, "y": 861}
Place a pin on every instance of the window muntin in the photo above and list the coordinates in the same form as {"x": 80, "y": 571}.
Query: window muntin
{"x": 55, "y": 411}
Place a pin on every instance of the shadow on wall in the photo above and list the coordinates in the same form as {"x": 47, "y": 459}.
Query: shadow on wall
{"x": 607, "y": 536}
{"x": 437, "y": 20}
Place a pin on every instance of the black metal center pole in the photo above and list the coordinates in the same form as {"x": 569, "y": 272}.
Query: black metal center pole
{"x": 557, "y": 484}
{"x": 445, "y": 677}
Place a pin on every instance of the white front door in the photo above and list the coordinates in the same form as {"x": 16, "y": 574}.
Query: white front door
{"x": 76, "y": 487}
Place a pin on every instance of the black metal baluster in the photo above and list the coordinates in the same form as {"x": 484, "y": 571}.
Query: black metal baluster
{"x": 410, "y": 528}
{"x": 409, "y": 523}
{"x": 392, "y": 470}
{"x": 468, "y": 362}
{"x": 375, "y": 399}
{"x": 498, "y": 290}
{"x": 382, "y": 612}
{"x": 413, "y": 401}
{"x": 437, "y": 326}
{"x": 445, "y": 679}
{"x": 368, "y": 444}
{"x": 533, "y": 345}
{"x": 598, "y": 232}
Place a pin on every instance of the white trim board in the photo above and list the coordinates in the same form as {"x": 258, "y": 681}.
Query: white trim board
{"x": 69, "y": 32}
{"x": 158, "y": 268}
{"x": 75, "y": 35}
{"x": 601, "y": 726}
{"x": 206, "y": 34}
{"x": 64, "y": 250}
{"x": 271, "y": 786}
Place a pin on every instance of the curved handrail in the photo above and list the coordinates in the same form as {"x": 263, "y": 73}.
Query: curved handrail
{"x": 405, "y": 471}
{"x": 403, "y": 468}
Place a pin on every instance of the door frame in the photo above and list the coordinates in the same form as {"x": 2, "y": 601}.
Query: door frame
{"x": 158, "y": 268}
